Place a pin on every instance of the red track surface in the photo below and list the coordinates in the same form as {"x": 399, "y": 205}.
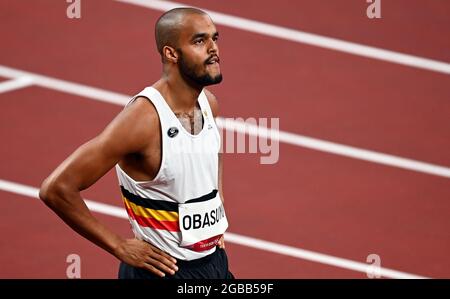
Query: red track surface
{"x": 309, "y": 199}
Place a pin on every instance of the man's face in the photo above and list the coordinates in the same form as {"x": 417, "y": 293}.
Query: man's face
{"x": 198, "y": 51}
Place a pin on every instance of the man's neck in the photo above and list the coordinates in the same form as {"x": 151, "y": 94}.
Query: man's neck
{"x": 180, "y": 96}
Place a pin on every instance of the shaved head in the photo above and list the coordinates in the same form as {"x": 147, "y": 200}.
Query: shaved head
{"x": 169, "y": 25}
{"x": 186, "y": 39}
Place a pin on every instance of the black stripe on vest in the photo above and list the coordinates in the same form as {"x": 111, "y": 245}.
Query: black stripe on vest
{"x": 204, "y": 197}
{"x": 156, "y": 204}
{"x": 149, "y": 203}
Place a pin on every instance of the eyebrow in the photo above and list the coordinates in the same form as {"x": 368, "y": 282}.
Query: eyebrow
{"x": 203, "y": 34}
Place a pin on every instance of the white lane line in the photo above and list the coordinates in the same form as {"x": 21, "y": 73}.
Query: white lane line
{"x": 15, "y": 83}
{"x": 335, "y": 148}
{"x": 239, "y": 126}
{"x": 313, "y": 256}
{"x": 259, "y": 244}
{"x": 306, "y": 38}
{"x": 66, "y": 86}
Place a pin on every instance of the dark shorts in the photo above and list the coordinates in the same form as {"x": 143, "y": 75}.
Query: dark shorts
{"x": 213, "y": 266}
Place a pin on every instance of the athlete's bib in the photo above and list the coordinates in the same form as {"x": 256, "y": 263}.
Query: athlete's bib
{"x": 202, "y": 223}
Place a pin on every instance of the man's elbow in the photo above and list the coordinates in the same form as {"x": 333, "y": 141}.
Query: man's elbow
{"x": 49, "y": 192}
{"x": 45, "y": 191}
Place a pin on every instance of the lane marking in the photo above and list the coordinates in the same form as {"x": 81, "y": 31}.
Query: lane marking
{"x": 66, "y": 86}
{"x": 242, "y": 127}
{"x": 16, "y": 83}
{"x": 336, "y": 148}
{"x": 306, "y": 38}
{"x": 255, "y": 243}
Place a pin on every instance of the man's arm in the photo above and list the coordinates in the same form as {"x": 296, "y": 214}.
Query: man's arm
{"x": 128, "y": 133}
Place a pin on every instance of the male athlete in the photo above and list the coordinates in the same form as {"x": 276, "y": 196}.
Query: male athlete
{"x": 165, "y": 147}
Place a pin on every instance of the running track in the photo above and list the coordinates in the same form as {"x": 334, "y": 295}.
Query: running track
{"x": 319, "y": 201}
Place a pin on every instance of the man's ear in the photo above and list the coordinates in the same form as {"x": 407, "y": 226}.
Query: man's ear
{"x": 170, "y": 54}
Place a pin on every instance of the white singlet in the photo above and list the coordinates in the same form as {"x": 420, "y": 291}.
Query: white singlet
{"x": 180, "y": 211}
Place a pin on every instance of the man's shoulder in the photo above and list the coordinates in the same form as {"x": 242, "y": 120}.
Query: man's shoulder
{"x": 139, "y": 117}
{"x": 213, "y": 103}
{"x": 141, "y": 107}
